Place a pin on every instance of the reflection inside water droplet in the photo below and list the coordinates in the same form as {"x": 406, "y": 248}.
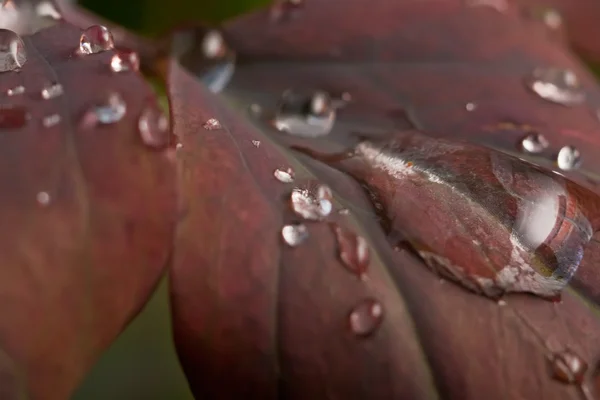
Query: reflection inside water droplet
{"x": 311, "y": 202}
{"x": 534, "y": 143}
{"x": 353, "y": 250}
{"x": 112, "y": 111}
{"x": 12, "y": 51}
{"x": 13, "y": 117}
{"x": 568, "y": 158}
{"x": 125, "y": 60}
{"x": 568, "y": 367}
{"x": 556, "y": 85}
{"x": 294, "y": 235}
{"x": 95, "y": 39}
{"x": 366, "y": 317}
{"x": 305, "y": 114}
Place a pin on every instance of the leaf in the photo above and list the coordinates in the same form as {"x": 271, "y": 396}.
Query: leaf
{"x": 87, "y": 211}
{"x": 280, "y": 321}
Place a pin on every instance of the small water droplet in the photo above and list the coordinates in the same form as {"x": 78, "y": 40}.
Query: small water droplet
{"x": 470, "y": 106}
{"x": 284, "y": 176}
{"x": 212, "y": 124}
{"x": 366, "y": 317}
{"x": 534, "y": 143}
{"x": 179, "y": 146}
{"x": 43, "y": 198}
{"x": 309, "y": 203}
{"x": 294, "y": 235}
{"x": 52, "y": 91}
{"x": 51, "y": 120}
{"x": 353, "y": 250}
{"x": 256, "y": 143}
{"x": 501, "y": 303}
{"x": 153, "y": 126}
{"x": 552, "y": 18}
{"x": 556, "y": 85}
{"x": 13, "y": 117}
{"x": 12, "y": 51}
{"x": 46, "y": 9}
{"x": 125, "y": 60}
{"x": 568, "y": 158}
{"x": 16, "y": 90}
{"x": 307, "y": 115}
{"x": 96, "y": 39}
{"x": 255, "y": 110}
{"x": 344, "y": 211}
{"x": 112, "y": 111}
{"x": 568, "y": 367}
{"x": 498, "y": 5}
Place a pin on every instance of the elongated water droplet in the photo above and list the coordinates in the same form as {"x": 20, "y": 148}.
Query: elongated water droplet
{"x": 568, "y": 158}
{"x": 284, "y": 176}
{"x": 51, "y": 120}
{"x": 13, "y": 117}
{"x": 534, "y": 143}
{"x": 212, "y": 125}
{"x": 366, "y": 317}
{"x": 12, "y": 51}
{"x": 125, "y": 60}
{"x": 112, "y": 111}
{"x": 43, "y": 198}
{"x": 556, "y": 85}
{"x": 154, "y": 128}
{"x": 302, "y": 114}
{"x": 353, "y": 250}
{"x": 16, "y": 90}
{"x": 294, "y": 235}
{"x": 310, "y": 203}
{"x": 96, "y": 39}
{"x": 568, "y": 367}
{"x": 52, "y": 91}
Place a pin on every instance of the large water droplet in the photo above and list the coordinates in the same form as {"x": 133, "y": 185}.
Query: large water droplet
{"x": 534, "y": 143}
{"x": 125, "y": 60}
{"x": 302, "y": 114}
{"x": 154, "y": 128}
{"x": 12, "y": 51}
{"x": 353, "y": 250}
{"x": 366, "y": 317}
{"x": 311, "y": 202}
{"x": 556, "y": 85}
{"x": 96, "y": 39}
{"x": 52, "y": 91}
{"x": 568, "y": 158}
{"x": 568, "y": 367}
{"x": 13, "y": 117}
{"x": 294, "y": 235}
{"x": 491, "y": 222}
{"x": 284, "y": 176}
{"x": 112, "y": 111}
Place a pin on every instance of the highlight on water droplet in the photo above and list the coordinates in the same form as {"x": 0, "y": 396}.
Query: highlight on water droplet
{"x": 12, "y": 51}
{"x": 212, "y": 124}
{"x": 51, "y": 120}
{"x": 366, "y": 317}
{"x": 568, "y": 158}
{"x": 305, "y": 114}
{"x": 284, "y": 176}
{"x": 52, "y": 91}
{"x": 557, "y": 85}
{"x": 13, "y": 117}
{"x": 125, "y": 60}
{"x": 112, "y": 111}
{"x": 96, "y": 39}
{"x": 153, "y": 127}
{"x": 294, "y": 235}
{"x": 310, "y": 202}
{"x": 43, "y": 198}
{"x": 568, "y": 367}
{"x": 534, "y": 143}
{"x": 16, "y": 90}
{"x": 353, "y": 250}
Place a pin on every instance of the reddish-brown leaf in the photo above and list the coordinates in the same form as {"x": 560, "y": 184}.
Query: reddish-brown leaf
{"x": 86, "y": 209}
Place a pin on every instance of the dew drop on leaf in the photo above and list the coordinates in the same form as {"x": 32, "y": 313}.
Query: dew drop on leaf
{"x": 12, "y": 51}
{"x": 52, "y": 91}
{"x": 568, "y": 158}
{"x": 13, "y": 117}
{"x": 112, "y": 111}
{"x": 95, "y": 39}
{"x": 16, "y": 90}
{"x": 51, "y": 120}
{"x": 353, "y": 250}
{"x": 310, "y": 203}
{"x": 294, "y": 235}
{"x": 560, "y": 86}
{"x": 305, "y": 114}
{"x": 568, "y": 367}
{"x": 212, "y": 124}
{"x": 534, "y": 143}
{"x": 153, "y": 127}
{"x": 284, "y": 176}
{"x": 125, "y": 60}
{"x": 366, "y": 317}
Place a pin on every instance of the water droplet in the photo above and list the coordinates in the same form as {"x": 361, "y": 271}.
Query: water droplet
{"x": 294, "y": 235}
{"x": 13, "y": 117}
{"x": 498, "y": 5}
{"x": 154, "y": 128}
{"x": 16, "y": 90}
{"x": 52, "y": 91}
{"x": 552, "y": 18}
{"x": 366, "y": 317}
{"x": 470, "y": 106}
{"x": 112, "y": 111}
{"x": 501, "y": 303}
{"x": 534, "y": 143}
{"x": 556, "y": 85}
{"x": 212, "y": 125}
{"x": 490, "y": 222}
{"x": 12, "y": 51}
{"x": 310, "y": 202}
{"x": 95, "y": 39}
{"x": 286, "y": 176}
{"x": 125, "y": 60}
{"x": 179, "y": 146}
{"x": 285, "y": 9}
{"x": 256, "y": 143}
{"x": 255, "y": 110}
{"x": 43, "y": 198}
{"x": 51, "y": 120}
{"x": 308, "y": 115}
{"x": 568, "y": 367}
{"x": 353, "y": 250}
{"x": 568, "y": 158}
{"x": 46, "y": 9}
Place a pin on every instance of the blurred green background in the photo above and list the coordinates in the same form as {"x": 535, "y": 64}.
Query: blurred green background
{"x": 142, "y": 364}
